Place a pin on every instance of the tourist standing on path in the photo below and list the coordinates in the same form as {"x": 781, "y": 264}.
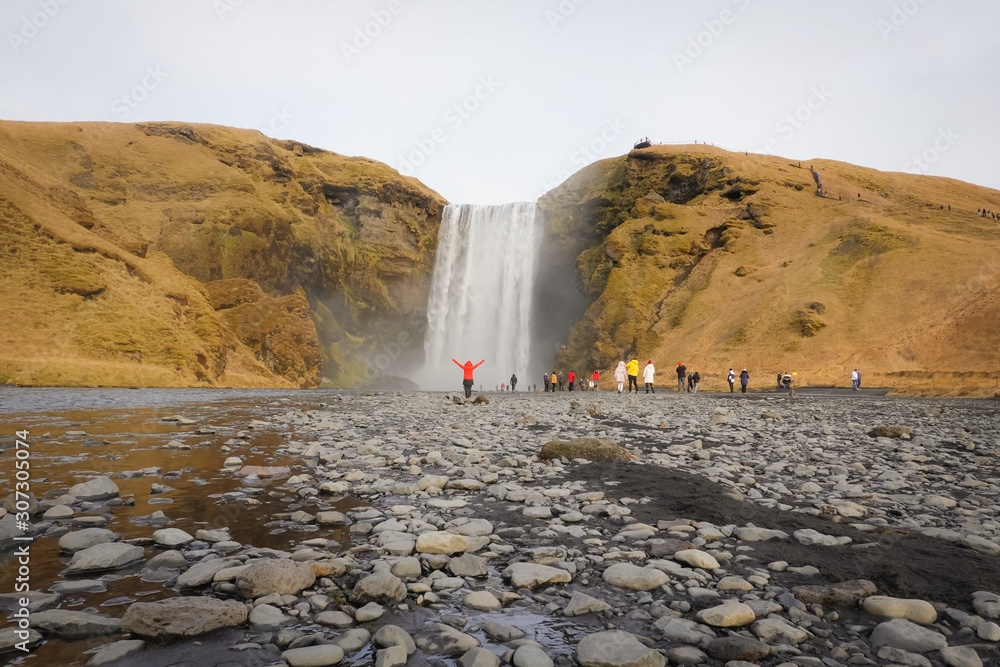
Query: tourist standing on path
{"x": 647, "y": 376}
{"x": 467, "y": 369}
{"x": 513, "y": 382}
{"x": 690, "y": 387}
{"x": 744, "y": 381}
{"x": 681, "y": 377}
{"x": 859, "y": 378}
{"x": 572, "y": 377}
{"x": 633, "y": 375}
{"x": 545, "y": 382}
{"x": 696, "y": 378}
{"x": 731, "y": 379}
{"x": 562, "y": 381}
{"x": 779, "y": 380}
{"x": 620, "y": 374}
{"x": 597, "y": 379}
{"x": 855, "y": 380}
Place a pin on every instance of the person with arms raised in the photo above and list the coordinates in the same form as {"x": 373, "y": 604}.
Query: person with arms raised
{"x": 467, "y": 369}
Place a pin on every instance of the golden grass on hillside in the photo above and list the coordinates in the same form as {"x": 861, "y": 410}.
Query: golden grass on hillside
{"x": 721, "y": 259}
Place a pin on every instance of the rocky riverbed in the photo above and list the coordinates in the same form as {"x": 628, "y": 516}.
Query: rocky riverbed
{"x": 419, "y": 529}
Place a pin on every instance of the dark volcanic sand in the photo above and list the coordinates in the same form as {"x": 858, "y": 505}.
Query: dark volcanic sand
{"x": 902, "y": 565}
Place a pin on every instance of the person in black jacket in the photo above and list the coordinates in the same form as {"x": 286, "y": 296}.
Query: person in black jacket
{"x": 744, "y": 381}
{"x": 681, "y": 377}
{"x": 513, "y": 382}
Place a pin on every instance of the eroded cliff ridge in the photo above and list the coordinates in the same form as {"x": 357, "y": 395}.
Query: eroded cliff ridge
{"x": 175, "y": 254}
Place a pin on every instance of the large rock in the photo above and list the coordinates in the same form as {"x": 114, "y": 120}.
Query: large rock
{"x": 616, "y": 649}
{"x": 842, "y": 594}
{"x": 918, "y": 611}
{"x": 697, "y": 558}
{"x": 274, "y": 575}
{"x": 986, "y": 604}
{"x": 9, "y": 532}
{"x": 174, "y": 618}
{"x": 532, "y": 575}
{"x": 737, "y": 648}
{"x": 581, "y": 603}
{"x": 906, "y": 635}
{"x": 78, "y": 540}
{"x": 961, "y": 656}
{"x": 440, "y": 542}
{"x": 776, "y": 631}
{"x": 468, "y": 565}
{"x": 9, "y": 638}
{"x": 529, "y": 655}
{"x": 592, "y": 449}
{"x": 683, "y": 630}
{"x": 171, "y": 537}
{"x": 627, "y": 575}
{"x": 482, "y": 600}
{"x": 116, "y": 652}
{"x": 379, "y": 587}
{"x": 321, "y": 655}
{"x": 99, "y": 488}
{"x": 393, "y": 635}
{"x": 200, "y": 574}
{"x": 70, "y": 625}
{"x": 441, "y": 639}
{"x": 101, "y": 557}
{"x": 729, "y": 614}
{"x": 479, "y": 657}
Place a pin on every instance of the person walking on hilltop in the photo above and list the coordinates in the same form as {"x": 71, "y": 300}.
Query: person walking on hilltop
{"x": 681, "y": 377}
{"x": 620, "y": 374}
{"x": 545, "y": 382}
{"x": 513, "y": 382}
{"x": 647, "y": 376}
{"x": 744, "y": 381}
{"x": 467, "y": 369}
{"x": 562, "y": 381}
{"x": 572, "y": 378}
{"x": 633, "y": 375}
{"x": 731, "y": 378}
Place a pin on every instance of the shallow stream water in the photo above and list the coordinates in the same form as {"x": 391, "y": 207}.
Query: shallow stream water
{"x": 78, "y": 434}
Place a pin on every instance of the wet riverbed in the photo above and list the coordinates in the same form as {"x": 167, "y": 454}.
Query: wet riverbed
{"x": 78, "y": 434}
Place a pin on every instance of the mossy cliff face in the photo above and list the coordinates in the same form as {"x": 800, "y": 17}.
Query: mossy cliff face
{"x": 726, "y": 260}
{"x": 338, "y": 250}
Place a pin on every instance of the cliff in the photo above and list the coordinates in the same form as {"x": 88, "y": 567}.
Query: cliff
{"x": 719, "y": 260}
{"x": 172, "y": 254}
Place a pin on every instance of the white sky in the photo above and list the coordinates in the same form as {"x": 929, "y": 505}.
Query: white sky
{"x": 887, "y": 79}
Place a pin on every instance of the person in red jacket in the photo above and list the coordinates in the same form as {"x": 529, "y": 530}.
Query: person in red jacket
{"x": 467, "y": 369}
{"x": 572, "y": 378}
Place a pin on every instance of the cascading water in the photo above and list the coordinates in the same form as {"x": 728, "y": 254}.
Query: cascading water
{"x": 480, "y": 300}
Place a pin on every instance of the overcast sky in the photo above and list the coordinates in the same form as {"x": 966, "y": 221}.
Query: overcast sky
{"x": 498, "y": 101}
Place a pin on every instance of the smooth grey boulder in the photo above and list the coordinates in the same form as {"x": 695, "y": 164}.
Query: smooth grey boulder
{"x": 174, "y": 618}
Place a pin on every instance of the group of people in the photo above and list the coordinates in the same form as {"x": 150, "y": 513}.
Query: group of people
{"x": 558, "y": 382}
{"x": 856, "y": 379}
{"x": 630, "y": 372}
{"x": 983, "y": 213}
{"x": 784, "y": 381}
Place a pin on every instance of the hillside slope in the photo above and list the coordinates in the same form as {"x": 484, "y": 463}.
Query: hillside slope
{"x": 719, "y": 260}
{"x": 175, "y": 254}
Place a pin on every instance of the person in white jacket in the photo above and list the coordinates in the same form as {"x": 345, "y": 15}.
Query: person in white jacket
{"x": 620, "y": 375}
{"x": 647, "y": 376}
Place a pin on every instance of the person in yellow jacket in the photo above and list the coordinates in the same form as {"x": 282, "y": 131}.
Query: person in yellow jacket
{"x": 632, "y": 368}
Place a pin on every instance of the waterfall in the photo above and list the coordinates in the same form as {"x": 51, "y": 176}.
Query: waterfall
{"x": 480, "y": 300}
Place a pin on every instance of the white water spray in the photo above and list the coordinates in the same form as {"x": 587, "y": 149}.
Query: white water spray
{"x": 480, "y": 300}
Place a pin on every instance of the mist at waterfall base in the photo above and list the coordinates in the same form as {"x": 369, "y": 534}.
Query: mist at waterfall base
{"x": 480, "y": 304}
